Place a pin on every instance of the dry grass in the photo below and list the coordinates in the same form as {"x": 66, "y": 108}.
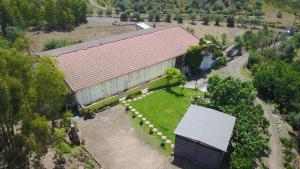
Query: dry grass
{"x": 201, "y": 30}
{"x": 271, "y": 15}
{"x": 84, "y": 32}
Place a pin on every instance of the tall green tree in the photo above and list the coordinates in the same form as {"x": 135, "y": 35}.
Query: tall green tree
{"x": 193, "y": 57}
{"x": 50, "y": 89}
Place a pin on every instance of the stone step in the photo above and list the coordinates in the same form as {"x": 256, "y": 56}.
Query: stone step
{"x": 144, "y": 91}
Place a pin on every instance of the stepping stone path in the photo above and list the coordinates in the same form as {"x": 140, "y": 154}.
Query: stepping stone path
{"x": 147, "y": 122}
{"x": 135, "y": 99}
{"x": 123, "y": 102}
{"x": 133, "y": 110}
{"x": 168, "y": 141}
{"x": 136, "y": 113}
{"x": 139, "y": 116}
{"x": 126, "y": 104}
{"x": 172, "y": 145}
{"x": 159, "y": 133}
{"x": 154, "y": 129}
{"x": 129, "y": 100}
{"x": 139, "y": 97}
{"x": 151, "y": 125}
{"x": 163, "y": 137}
{"x": 130, "y": 107}
{"x": 144, "y": 119}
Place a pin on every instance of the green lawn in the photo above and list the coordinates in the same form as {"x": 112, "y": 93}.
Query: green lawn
{"x": 164, "y": 108}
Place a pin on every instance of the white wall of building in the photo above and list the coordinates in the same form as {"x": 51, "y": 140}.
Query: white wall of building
{"x": 113, "y": 86}
{"x": 206, "y": 63}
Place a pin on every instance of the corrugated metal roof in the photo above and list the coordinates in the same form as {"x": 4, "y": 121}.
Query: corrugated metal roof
{"x": 207, "y": 126}
{"x": 90, "y": 66}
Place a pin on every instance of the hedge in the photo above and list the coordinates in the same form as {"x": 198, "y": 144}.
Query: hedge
{"x": 133, "y": 92}
{"x": 160, "y": 83}
{"x": 103, "y": 103}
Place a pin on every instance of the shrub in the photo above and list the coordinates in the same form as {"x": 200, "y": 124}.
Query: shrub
{"x": 124, "y": 17}
{"x": 218, "y": 19}
{"x": 108, "y": 12}
{"x": 287, "y": 142}
{"x": 294, "y": 120}
{"x": 222, "y": 61}
{"x": 131, "y": 93}
{"x": 160, "y": 83}
{"x": 254, "y": 58}
{"x": 63, "y": 148}
{"x": 151, "y": 16}
{"x": 179, "y": 18}
{"x": 157, "y": 17}
{"x": 191, "y": 30}
{"x": 103, "y": 103}
{"x": 100, "y": 12}
{"x": 205, "y": 19}
{"x": 168, "y": 17}
{"x": 53, "y": 44}
{"x": 13, "y": 33}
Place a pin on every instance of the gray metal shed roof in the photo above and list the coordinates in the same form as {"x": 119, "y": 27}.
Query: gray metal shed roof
{"x": 206, "y": 125}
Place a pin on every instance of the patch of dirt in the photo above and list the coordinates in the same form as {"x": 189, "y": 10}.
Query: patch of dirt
{"x": 271, "y": 15}
{"x": 84, "y": 32}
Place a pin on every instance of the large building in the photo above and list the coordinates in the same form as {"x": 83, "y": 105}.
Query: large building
{"x": 101, "y": 68}
{"x": 203, "y": 136}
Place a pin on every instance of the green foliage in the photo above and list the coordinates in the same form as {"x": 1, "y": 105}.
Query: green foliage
{"x": 168, "y": 17}
{"x": 287, "y": 142}
{"x": 191, "y": 30}
{"x": 222, "y": 61}
{"x": 100, "y": 12}
{"x": 224, "y": 39}
{"x": 205, "y": 19}
{"x": 160, "y": 83}
{"x": 279, "y": 14}
{"x": 254, "y": 58}
{"x": 294, "y": 119}
{"x": 50, "y": 89}
{"x": 218, "y": 19}
{"x": 124, "y": 16}
{"x": 131, "y": 93}
{"x": 230, "y": 21}
{"x": 103, "y": 103}
{"x": 278, "y": 81}
{"x": 53, "y": 44}
{"x": 173, "y": 74}
{"x": 193, "y": 57}
{"x": 108, "y": 12}
{"x": 13, "y": 33}
{"x": 249, "y": 139}
{"x": 179, "y": 18}
{"x": 193, "y": 17}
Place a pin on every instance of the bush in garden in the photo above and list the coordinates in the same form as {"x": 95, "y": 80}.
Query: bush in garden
{"x": 168, "y": 17}
{"x": 100, "y": 12}
{"x": 157, "y": 17}
{"x": 151, "y": 16}
{"x": 294, "y": 120}
{"x": 162, "y": 144}
{"x": 13, "y": 33}
{"x": 108, "y": 12}
{"x": 141, "y": 122}
{"x": 222, "y": 61}
{"x": 124, "y": 17}
{"x": 254, "y": 58}
{"x": 230, "y": 21}
{"x": 191, "y": 30}
{"x": 180, "y": 19}
{"x": 205, "y": 19}
{"x": 218, "y": 19}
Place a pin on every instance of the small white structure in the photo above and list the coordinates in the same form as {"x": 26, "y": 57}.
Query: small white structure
{"x": 142, "y": 25}
{"x": 206, "y": 63}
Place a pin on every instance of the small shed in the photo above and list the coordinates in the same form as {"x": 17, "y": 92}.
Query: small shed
{"x": 203, "y": 135}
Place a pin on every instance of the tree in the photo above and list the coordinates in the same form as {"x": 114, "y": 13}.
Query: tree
{"x": 193, "y": 17}
{"x": 100, "y": 12}
{"x": 173, "y": 74}
{"x": 218, "y": 19}
{"x": 108, "y": 12}
{"x": 179, "y": 18}
{"x": 194, "y": 57}
{"x": 230, "y": 21}
{"x": 50, "y": 89}
{"x": 151, "y": 16}
{"x": 279, "y": 14}
{"x": 157, "y": 16}
{"x": 168, "y": 17}
{"x": 205, "y": 19}
{"x": 13, "y": 33}
{"x": 124, "y": 17}
{"x": 50, "y": 12}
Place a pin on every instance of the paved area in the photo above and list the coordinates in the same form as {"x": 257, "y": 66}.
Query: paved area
{"x": 113, "y": 141}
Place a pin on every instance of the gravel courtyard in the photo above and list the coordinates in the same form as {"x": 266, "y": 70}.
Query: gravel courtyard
{"x": 114, "y": 142}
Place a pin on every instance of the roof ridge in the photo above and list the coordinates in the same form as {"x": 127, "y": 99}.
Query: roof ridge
{"x": 104, "y": 43}
{"x": 147, "y": 33}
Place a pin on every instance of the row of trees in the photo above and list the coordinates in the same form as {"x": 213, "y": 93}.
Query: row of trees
{"x": 30, "y": 97}
{"x": 52, "y": 14}
{"x": 250, "y": 136}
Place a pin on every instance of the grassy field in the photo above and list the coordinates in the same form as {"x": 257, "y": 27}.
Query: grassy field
{"x": 84, "y": 32}
{"x": 164, "y": 108}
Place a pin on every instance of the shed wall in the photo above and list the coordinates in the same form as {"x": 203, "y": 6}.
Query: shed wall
{"x": 115, "y": 85}
{"x": 197, "y": 153}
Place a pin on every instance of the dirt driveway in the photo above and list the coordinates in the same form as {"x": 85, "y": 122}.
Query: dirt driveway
{"x": 114, "y": 142}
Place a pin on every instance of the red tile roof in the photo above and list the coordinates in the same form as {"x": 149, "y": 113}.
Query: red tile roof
{"x": 87, "y": 67}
